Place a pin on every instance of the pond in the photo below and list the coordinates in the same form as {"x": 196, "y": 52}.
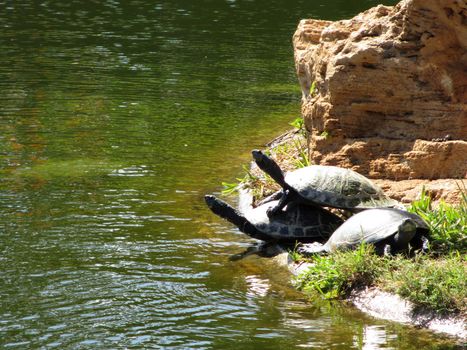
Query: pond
{"x": 116, "y": 117}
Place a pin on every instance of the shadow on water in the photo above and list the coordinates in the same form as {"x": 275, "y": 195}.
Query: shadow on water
{"x": 115, "y": 119}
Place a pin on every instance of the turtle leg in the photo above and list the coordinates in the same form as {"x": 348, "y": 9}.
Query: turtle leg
{"x": 286, "y": 198}
{"x": 384, "y": 247}
{"x": 273, "y": 197}
{"x": 420, "y": 243}
{"x": 227, "y": 212}
{"x": 387, "y": 250}
{"x": 270, "y": 167}
{"x": 425, "y": 244}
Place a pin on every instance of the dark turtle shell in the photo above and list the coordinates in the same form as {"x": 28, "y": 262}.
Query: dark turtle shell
{"x": 297, "y": 222}
{"x": 337, "y": 187}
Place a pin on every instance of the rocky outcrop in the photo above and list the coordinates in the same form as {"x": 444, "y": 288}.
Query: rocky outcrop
{"x": 385, "y": 92}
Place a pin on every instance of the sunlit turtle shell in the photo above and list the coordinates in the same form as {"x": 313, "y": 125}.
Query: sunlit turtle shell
{"x": 385, "y": 228}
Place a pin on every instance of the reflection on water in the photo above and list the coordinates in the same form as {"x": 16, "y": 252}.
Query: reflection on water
{"x": 115, "y": 119}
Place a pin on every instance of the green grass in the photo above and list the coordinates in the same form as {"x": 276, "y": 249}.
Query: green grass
{"x": 448, "y": 224}
{"x": 436, "y": 280}
{"x": 439, "y": 284}
{"x": 334, "y": 276}
{"x": 260, "y": 187}
{"x": 297, "y": 123}
{"x": 295, "y": 152}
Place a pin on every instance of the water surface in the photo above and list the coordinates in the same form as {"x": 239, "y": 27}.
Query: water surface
{"x": 115, "y": 119}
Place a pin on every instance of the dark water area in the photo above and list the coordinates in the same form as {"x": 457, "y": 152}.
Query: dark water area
{"x": 115, "y": 119}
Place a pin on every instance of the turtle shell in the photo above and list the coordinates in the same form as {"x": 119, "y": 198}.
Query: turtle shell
{"x": 374, "y": 225}
{"x": 297, "y": 222}
{"x": 337, "y": 187}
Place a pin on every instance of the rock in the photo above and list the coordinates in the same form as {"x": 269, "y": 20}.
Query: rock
{"x": 387, "y": 306}
{"x": 406, "y": 191}
{"x": 390, "y": 90}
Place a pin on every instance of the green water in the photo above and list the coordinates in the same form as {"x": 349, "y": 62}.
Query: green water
{"x": 115, "y": 119}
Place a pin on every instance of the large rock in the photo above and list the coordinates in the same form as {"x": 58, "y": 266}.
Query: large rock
{"x": 390, "y": 90}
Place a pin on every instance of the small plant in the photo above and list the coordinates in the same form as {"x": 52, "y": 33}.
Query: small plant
{"x": 294, "y": 255}
{"x": 260, "y": 187}
{"x": 302, "y": 160}
{"x": 297, "y": 123}
{"x": 325, "y": 134}
{"x": 335, "y": 275}
{"x": 439, "y": 284}
{"x": 230, "y": 187}
{"x": 248, "y": 180}
{"x": 313, "y": 90}
{"x": 448, "y": 224}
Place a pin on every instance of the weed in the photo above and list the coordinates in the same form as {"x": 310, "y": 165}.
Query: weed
{"x": 294, "y": 152}
{"x": 313, "y": 90}
{"x": 335, "y": 275}
{"x": 297, "y": 123}
{"x": 294, "y": 255}
{"x": 439, "y": 284}
{"x": 260, "y": 187}
{"x": 249, "y": 179}
{"x": 230, "y": 187}
{"x": 448, "y": 224}
{"x": 302, "y": 159}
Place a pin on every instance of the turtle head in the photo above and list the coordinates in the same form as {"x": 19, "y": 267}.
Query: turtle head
{"x": 219, "y": 207}
{"x": 406, "y": 232}
{"x": 269, "y": 166}
{"x": 225, "y": 211}
{"x": 408, "y": 226}
{"x": 258, "y": 156}
{"x": 210, "y": 200}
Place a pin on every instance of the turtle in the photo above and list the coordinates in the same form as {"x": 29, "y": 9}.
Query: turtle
{"x": 390, "y": 230}
{"x": 323, "y": 185}
{"x": 296, "y": 223}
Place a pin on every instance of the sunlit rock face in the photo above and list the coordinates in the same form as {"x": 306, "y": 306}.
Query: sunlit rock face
{"x": 385, "y": 93}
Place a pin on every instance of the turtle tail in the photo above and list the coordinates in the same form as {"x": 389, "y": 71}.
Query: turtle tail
{"x": 270, "y": 167}
{"x": 227, "y": 212}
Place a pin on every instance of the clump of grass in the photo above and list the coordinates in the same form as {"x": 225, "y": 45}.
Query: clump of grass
{"x": 297, "y": 123}
{"x": 448, "y": 224}
{"x": 439, "y": 284}
{"x": 334, "y": 276}
{"x": 302, "y": 160}
{"x": 260, "y": 186}
{"x": 248, "y": 178}
{"x": 295, "y": 255}
{"x": 294, "y": 153}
